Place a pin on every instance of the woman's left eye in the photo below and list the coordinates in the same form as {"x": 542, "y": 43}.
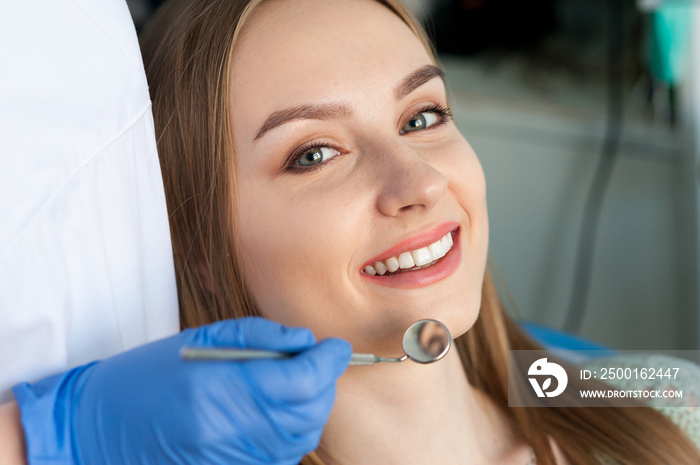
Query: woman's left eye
{"x": 425, "y": 119}
{"x": 314, "y": 156}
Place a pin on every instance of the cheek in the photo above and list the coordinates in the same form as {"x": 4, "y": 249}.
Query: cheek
{"x": 271, "y": 244}
{"x": 467, "y": 183}
{"x": 292, "y": 251}
{"x": 471, "y": 193}
{"x": 465, "y": 177}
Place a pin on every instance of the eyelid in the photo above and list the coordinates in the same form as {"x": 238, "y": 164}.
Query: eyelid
{"x": 290, "y": 162}
{"x": 444, "y": 112}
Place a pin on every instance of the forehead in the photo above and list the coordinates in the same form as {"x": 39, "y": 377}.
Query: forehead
{"x": 294, "y": 52}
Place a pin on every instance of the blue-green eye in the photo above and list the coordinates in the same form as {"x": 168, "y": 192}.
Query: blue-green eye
{"x": 420, "y": 121}
{"x": 315, "y": 156}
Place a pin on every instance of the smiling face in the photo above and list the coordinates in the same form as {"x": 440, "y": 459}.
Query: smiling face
{"x": 360, "y": 206}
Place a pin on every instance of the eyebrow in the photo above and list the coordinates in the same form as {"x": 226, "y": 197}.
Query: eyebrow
{"x": 316, "y": 111}
{"x": 417, "y": 79}
{"x": 327, "y": 111}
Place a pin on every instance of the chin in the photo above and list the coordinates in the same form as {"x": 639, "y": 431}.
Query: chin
{"x": 458, "y": 314}
{"x": 462, "y": 318}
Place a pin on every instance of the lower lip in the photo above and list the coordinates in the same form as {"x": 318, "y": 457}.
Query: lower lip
{"x": 419, "y": 278}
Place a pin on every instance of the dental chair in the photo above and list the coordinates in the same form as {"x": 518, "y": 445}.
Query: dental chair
{"x": 568, "y": 347}
{"x": 555, "y": 339}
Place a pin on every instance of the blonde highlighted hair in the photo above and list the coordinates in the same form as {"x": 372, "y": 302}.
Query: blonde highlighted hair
{"x": 187, "y": 50}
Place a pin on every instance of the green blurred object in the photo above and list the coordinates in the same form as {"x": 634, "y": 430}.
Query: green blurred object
{"x": 669, "y": 41}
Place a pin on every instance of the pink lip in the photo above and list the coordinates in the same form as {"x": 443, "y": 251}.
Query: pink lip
{"x": 418, "y": 278}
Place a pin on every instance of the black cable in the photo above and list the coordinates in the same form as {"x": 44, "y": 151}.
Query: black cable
{"x": 596, "y": 193}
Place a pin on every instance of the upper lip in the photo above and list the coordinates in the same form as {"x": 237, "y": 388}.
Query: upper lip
{"x": 418, "y": 241}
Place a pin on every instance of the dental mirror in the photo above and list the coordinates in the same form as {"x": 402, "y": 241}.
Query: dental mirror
{"x": 425, "y": 341}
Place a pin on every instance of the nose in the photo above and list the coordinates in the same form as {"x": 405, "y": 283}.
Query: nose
{"x": 408, "y": 183}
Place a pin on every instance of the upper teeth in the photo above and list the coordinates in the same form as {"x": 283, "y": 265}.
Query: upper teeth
{"x": 413, "y": 259}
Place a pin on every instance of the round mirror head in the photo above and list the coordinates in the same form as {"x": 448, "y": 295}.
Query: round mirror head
{"x": 426, "y": 341}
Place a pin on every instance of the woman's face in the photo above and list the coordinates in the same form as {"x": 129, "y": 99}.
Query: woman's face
{"x": 347, "y": 156}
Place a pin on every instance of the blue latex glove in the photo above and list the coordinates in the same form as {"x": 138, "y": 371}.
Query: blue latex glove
{"x": 148, "y": 406}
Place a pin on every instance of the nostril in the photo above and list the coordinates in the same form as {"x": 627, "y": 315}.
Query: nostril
{"x": 410, "y": 207}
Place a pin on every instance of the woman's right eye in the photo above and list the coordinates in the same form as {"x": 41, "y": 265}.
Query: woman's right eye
{"x": 314, "y": 156}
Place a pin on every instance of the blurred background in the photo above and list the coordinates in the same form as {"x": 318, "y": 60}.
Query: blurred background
{"x": 586, "y": 117}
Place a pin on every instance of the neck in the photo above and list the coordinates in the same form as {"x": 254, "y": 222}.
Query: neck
{"x": 409, "y": 413}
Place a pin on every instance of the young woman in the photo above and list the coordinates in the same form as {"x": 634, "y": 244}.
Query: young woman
{"x": 314, "y": 177}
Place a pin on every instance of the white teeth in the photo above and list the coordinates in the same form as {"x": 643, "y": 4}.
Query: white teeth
{"x": 415, "y": 259}
{"x": 381, "y": 269}
{"x": 406, "y": 261}
{"x": 437, "y": 250}
{"x": 422, "y": 256}
{"x": 447, "y": 241}
{"x": 392, "y": 264}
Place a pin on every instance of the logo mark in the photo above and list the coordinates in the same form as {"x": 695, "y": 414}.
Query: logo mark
{"x": 551, "y": 369}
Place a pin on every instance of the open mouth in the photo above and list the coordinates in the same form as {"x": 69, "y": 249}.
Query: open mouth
{"x": 412, "y": 260}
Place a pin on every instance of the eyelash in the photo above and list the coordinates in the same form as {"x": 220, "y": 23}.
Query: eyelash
{"x": 291, "y": 165}
{"x": 444, "y": 115}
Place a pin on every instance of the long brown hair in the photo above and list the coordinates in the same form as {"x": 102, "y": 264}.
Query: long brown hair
{"x": 187, "y": 50}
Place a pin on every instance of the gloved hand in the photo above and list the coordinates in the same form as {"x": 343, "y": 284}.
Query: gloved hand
{"x": 147, "y": 406}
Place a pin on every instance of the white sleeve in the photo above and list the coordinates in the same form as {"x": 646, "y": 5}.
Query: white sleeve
{"x": 86, "y": 266}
